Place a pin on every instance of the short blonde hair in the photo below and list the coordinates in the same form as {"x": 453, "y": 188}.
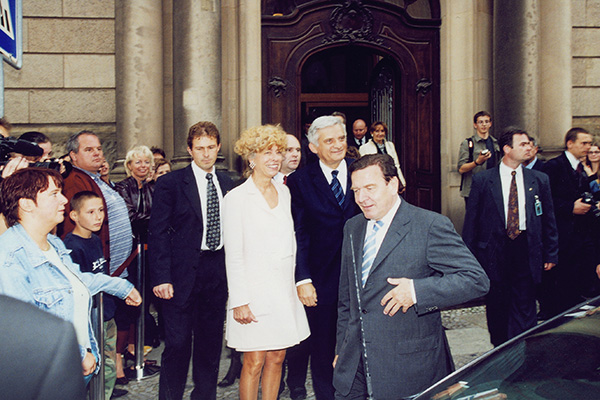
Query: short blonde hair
{"x": 259, "y": 138}
{"x": 138, "y": 152}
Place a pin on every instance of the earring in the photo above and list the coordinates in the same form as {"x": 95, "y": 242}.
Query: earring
{"x": 251, "y": 164}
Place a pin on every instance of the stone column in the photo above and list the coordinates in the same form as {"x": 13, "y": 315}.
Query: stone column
{"x": 196, "y": 67}
{"x": 466, "y": 80}
{"x": 139, "y": 74}
{"x": 241, "y": 71}
{"x": 516, "y": 83}
{"x": 555, "y": 111}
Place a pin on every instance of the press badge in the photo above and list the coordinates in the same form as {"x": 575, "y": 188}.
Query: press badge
{"x": 538, "y": 206}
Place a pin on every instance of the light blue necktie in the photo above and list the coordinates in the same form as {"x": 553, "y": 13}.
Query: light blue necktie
{"x": 336, "y": 187}
{"x": 369, "y": 251}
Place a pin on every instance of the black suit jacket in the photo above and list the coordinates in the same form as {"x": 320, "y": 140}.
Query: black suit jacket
{"x": 39, "y": 354}
{"x": 319, "y": 222}
{"x": 567, "y": 187}
{"x": 484, "y": 231}
{"x": 539, "y": 165}
{"x": 354, "y": 143}
{"x": 175, "y": 232}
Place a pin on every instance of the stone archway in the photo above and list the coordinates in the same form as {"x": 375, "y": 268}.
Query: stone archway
{"x": 413, "y": 45}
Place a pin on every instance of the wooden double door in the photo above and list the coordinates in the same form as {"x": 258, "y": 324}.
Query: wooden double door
{"x": 370, "y": 60}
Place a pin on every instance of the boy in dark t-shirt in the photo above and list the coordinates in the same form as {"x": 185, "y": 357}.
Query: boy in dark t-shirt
{"x": 87, "y": 211}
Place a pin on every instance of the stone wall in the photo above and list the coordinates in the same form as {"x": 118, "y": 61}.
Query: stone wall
{"x": 586, "y": 64}
{"x": 67, "y": 82}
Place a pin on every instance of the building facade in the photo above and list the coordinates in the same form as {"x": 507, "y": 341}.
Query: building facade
{"x": 143, "y": 71}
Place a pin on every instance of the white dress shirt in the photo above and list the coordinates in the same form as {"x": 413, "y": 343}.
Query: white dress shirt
{"x": 342, "y": 175}
{"x": 505, "y": 179}
{"x": 201, "y": 182}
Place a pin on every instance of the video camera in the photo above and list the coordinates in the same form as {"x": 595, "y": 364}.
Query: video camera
{"x": 11, "y": 145}
{"x": 588, "y": 198}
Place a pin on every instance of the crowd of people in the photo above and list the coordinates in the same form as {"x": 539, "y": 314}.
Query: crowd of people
{"x": 319, "y": 263}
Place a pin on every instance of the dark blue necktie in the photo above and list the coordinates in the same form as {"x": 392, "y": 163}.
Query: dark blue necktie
{"x": 213, "y": 222}
{"x": 336, "y": 187}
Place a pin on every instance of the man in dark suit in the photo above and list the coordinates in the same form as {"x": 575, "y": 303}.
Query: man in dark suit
{"x": 187, "y": 266}
{"x": 396, "y": 257}
{"x": 39, "y": 355}
{"x": 577, "y": 228}
{"x": 322, "y": 202}
{"x": 510, "y": 227}
{"x": 360, "y": 134}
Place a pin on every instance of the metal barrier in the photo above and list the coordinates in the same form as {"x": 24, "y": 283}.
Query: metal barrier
{"x": 96, "y": 387}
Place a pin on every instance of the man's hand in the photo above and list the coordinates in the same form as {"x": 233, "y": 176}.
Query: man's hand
{"x": 163, "y": 291}
{"x": 307, "y": 294}
{"x": 398, "y": 297}
{"x": 580, "y": 208}
{"x": 133, "y": 298}
{"x": 481, "y": 158}
{"x": 243, "y": 315}
{"x": 335, "y": 360}
{"x": 13, "y": 165}
{"x": 549, "y": 266}
{"x": 88, "y": 364}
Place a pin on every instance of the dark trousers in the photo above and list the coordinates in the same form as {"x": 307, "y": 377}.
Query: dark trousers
{"x": 296, "y": 360}
{"x": 323, "y": 324}
{"x": 510, "y": 303}
{"x": 200, "y": 318}
{"x": 359, "y": 389}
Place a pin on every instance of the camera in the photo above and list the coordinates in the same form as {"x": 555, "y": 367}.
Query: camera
{"x": 588, "y": 198}
{"x": 11, "y": 145}
{"x": 484, "y": 152}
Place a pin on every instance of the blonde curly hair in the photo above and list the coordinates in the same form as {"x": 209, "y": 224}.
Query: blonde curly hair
{"x": 257, "y": 139}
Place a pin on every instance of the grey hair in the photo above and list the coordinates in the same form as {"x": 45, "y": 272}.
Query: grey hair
{"x": 320, "y": 123}
{"x": 139, "y": 152}
{"x": 72, "y": 144}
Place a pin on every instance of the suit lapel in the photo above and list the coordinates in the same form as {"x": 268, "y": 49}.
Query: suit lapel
{"x": 397, "y": 231}
{"x": 190, "y": 189}
{"x": 321, "y": 184}
{"x": 358, "y": 239}
{"x": 531, "y": 191}
{"x": 496, "y": 188}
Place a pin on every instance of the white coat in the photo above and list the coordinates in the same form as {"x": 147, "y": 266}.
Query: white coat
{"x": 260, "y": 258}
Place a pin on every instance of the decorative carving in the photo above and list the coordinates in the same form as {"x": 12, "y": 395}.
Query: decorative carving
{"x": 277, "y": 85}
{"x": 353, "y": 22}
{"x": 424, "y": 86}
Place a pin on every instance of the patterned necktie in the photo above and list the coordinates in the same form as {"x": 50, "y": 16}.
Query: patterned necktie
{"x": 336, "y": 187}
{"x": 213, "y": 225}
{"x": 369, "y": 252}
{"x": 512, "y": 220}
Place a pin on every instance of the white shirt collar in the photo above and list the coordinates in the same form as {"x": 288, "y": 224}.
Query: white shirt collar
{"x": 199, "y": 172}
{"x": 572, "y": 159}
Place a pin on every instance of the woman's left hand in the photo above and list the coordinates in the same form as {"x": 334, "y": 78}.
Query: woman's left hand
{"x": 243, "y": 315}
{"x": 134, "y": 298}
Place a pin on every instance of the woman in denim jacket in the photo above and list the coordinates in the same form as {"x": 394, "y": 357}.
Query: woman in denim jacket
{"x": 36, "y": 267}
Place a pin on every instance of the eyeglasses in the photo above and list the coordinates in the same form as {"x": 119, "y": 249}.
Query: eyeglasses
{"x": 594, "y": 152}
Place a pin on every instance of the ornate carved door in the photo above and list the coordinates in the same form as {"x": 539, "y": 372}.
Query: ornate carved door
{"x": 409, "y": 49}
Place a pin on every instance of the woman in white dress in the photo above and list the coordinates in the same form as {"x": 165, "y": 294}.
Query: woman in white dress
{"x": 379, "y": 145}
{"x": 264, "y": 314}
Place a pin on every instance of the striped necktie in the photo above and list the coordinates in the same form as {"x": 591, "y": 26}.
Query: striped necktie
{"x": 213, "y": 223}
{"x": 336, "y": 187}
{"x": 369, "y": 251}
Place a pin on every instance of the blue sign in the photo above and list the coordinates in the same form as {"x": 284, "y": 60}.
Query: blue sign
{"x": 11, "y": 16}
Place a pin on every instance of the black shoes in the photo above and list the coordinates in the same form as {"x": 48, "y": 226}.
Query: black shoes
{"x": 118, "y": 393}
{"x": 235, "y": 369}
{"x": 298, "y": 393}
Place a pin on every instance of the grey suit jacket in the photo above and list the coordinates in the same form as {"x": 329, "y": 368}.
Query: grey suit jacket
{"x": 407, "y": 352}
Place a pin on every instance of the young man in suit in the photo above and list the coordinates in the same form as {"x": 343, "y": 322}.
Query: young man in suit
{"x": 578, "y": 256}
{"x": 187, "y": 266}
{"x": 532, "y": 161}
{"x": 510, "y": 227}
{"x": 396, "y": 257}
{"x": 322, "y": 202}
